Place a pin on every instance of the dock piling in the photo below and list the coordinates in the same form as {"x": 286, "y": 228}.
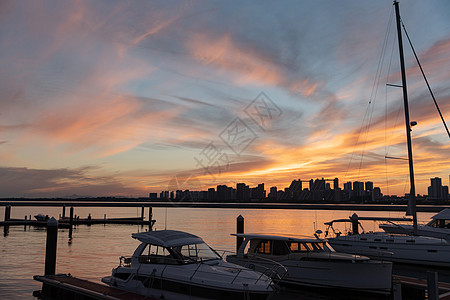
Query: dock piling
{"x": 51, "y": 245}
{"x": 7, "y": 212}
{"x": 432, "y": 285}
{"x": 64, "y": 211}
{"x": 70, "y": 222}
{"x": 355, "y": 224}
{"x": 142, "y": 212}
{"x": 150, "y": 218}
{"x": 239, "y": 229}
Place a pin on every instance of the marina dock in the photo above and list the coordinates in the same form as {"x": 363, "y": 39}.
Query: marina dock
{"x": 67, "y": 287}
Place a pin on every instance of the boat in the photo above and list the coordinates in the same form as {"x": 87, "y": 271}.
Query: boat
{"x": 312, "y": 262}
{"x": 408, "y": 247}
{"x": 41, "y": 217}
{"x": 438, "y": 226}
{"x": 401, "y": 248}
{"x": 170, "y": 264}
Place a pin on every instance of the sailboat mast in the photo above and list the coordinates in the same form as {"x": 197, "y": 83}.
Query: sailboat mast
{"x": 412, "y": 193}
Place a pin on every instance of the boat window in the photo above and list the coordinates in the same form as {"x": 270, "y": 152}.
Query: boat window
{"x": 314, "y": 246}
{"x": 317, "y": 246}
{"x": 153, "y": 254}
{"x": 297, "y": 247}
{"x": 263, "y": 247}
{"x": 280, "y": 248}
{"x": 196, "y": 252}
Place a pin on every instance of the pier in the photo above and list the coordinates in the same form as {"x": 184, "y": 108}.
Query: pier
{"x": 69, "y": 222}
{"x": 67, "y": 287}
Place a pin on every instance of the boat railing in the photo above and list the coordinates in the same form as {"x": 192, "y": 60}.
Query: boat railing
{"x": 239, "y": 271}
{"x": 276, "y": 272}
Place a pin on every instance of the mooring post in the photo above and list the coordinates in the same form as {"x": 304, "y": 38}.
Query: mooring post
{"x": 355, "y": 223}
{"x": 142, "y": 214}
{"x": 50, "y": 249}
{"x": 239, "y": 229}
{"x": 64, "y": 211}
{"x": 432, "y": 285}
{"x": 7, "y": 212}
{"x": 396, "y": 289}
{"x": 70, "y": 222}
{"x": 150, "y": 218}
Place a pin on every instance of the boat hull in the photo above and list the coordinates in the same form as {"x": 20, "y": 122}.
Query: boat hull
{"x": 185, "y": 282}
{"x": 405, "y": 249}
{"x": 370, "y": 276}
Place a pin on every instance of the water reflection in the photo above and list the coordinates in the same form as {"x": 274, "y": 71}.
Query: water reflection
{"x": 94, "y": 251}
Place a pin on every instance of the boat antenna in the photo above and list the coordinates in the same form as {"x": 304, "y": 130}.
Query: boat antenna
{"x": 411, "y": 211}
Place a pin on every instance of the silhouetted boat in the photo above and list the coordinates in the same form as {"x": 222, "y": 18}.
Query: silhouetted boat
{"x": 177, "y": 265}
{"x": 312, "y": 262}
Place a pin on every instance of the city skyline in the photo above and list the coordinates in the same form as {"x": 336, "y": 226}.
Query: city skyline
{"x": 122, "y": 99}
{"x": 296, "y": 191}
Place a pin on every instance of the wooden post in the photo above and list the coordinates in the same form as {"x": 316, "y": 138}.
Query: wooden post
{"x": 397, "y": 289}
{"x": 142, "y": 214}
{"x": 432, "y": 285}
{"x": 50, "y": 249}
{"x": 239, "y": 229}
{"x": 64, "y": 211}
{"x": 150, "y": 218}
{"x": 70, "y": 222}
{"x": 355, "y": 223}
{"x": 7, "y": 212}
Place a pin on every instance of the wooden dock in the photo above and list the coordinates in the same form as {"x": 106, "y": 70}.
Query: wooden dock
{"x": 65, "y": 222}
{"x": 414, "y": 288}
{"x": 64, "y": 286}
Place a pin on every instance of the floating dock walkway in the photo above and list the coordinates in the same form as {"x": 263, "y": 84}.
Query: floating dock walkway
{"x": 67, "y": 287}
{"x": 65, "y": 223}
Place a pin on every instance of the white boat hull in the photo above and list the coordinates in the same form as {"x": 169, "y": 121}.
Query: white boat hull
{"x": 371, "y": 276}
{"x": 404, "y": 249}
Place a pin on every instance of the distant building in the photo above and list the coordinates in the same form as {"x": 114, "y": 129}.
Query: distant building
{"x": 242, "y": 192}
{"x": 436, "y": 190}
{"x": 336, "y": 183}
{"x": 258, "y": 192}
{"x": 273, "y": 193}
{"x": 358, "y": 189}
{"x": 211, "y": 195}
{"x": 153, "y": 196}
{"x": 369, "y": 186}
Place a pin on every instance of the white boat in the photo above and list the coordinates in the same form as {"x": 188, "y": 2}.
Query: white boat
{"x": 313, "y": 262}
{"x": 438, "y": 226}
{"x": 171, "y": 264}
{"x": 403, "y": 248}
{"x": 407, "y": 247}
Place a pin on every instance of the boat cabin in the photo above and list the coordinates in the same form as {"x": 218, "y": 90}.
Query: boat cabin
{"x": 278, "y": 245}
{"x": 441, "y": 220}
{"x": 172, "y": 248}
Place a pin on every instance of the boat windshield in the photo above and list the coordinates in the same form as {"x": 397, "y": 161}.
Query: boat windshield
{"x": 196, "y": 252}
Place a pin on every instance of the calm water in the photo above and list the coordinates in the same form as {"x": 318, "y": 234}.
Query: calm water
{"x": 96, "y": 249}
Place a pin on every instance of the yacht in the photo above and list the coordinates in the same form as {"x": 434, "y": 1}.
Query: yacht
{"x": 438, "y": 226}
{"x": 171, "y": 264}
{"x": 403, "y": 248}
{"x": 312, "y": 262}
{"x": 408, "y": 247}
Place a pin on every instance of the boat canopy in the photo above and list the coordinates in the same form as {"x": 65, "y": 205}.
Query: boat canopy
{"x": 167, "y": 238}
{"x": 357, "y": 218}
{"x": 442, "y": 215}
{"x": 249, "y": 236}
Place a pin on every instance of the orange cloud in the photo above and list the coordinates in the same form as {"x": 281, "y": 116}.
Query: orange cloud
{"x": 247, "y": 63}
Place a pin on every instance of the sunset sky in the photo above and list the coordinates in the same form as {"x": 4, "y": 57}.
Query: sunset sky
{"x": 131, "y": 97}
